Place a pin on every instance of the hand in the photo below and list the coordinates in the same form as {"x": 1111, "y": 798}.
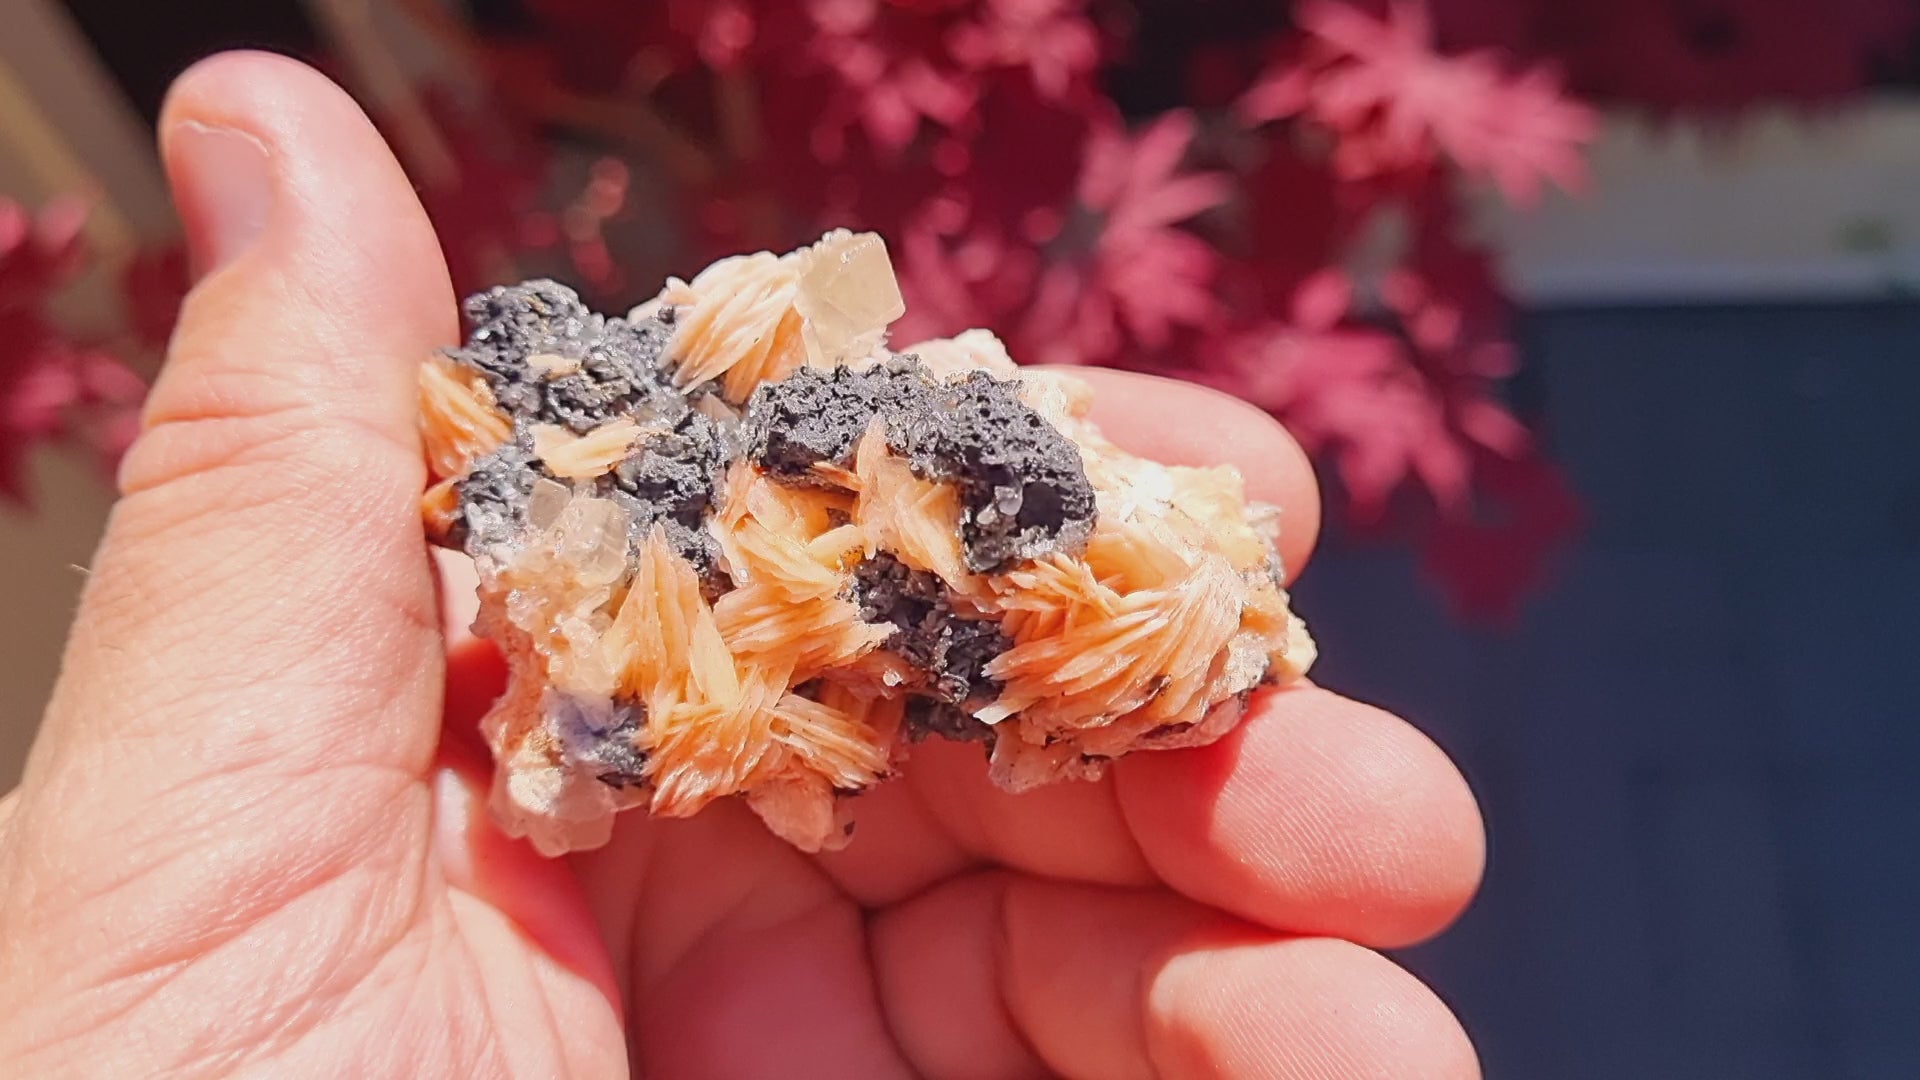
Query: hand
{"x": 250, "y": 840}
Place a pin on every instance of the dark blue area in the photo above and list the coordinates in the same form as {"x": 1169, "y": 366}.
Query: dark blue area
{"x": 1699, "y": 751}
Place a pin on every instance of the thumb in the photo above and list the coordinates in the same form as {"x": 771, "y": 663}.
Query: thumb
{"x": 262, "y": 600}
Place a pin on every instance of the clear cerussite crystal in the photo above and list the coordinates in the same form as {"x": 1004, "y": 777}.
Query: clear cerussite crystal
{"x": 733, "y": 544}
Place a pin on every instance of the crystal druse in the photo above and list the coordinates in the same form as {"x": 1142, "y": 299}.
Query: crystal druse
{"x": 735, "y": 543}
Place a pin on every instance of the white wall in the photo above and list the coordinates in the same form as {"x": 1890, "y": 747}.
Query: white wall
{"x": 1772, "y": 206}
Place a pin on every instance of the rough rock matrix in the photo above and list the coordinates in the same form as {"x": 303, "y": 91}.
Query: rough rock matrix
{"x": 734, "y": 544}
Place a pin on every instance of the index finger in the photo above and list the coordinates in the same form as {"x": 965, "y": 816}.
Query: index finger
{"x": 1182, "y": 423}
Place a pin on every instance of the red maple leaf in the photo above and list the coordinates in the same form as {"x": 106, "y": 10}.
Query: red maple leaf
{"x": 1113, "y": 277}
{"x": 1351, "y": 395}
{"x": 38, "y": 254}
{"x": 893, "y": 72}
{"x": 1412, "y": 401}
{"x": 1136, "y": 182}
{"x": 1489, "y": 511}
{"x": 104, "y": 415}
{"x": 54, "y": 390}
{"x": 1396, "y": 105}
{"x": 1052, "y": 39}
{"x": 1122, "y": 261}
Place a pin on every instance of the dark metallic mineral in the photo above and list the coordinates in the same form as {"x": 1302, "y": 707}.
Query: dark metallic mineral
{"x": 674, "y": 474}
{"x": 670, "y": 481}
{"x": 949, "y": 650}
{"x": 616, "y": 364}
{"x": 812, "y": 416}
{"x": 493, "y": 497}
{"x": 1021, "y": 482}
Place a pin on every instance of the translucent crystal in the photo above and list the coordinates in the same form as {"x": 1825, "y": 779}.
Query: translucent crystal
{"x": 847, "y": 296}
{"x": 595, "y": 535}
{"x": 546, "y": 502}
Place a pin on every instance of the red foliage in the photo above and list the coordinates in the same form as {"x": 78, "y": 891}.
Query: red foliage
{"x": 152, "y": 284}
{"x": 1050, "y": 38}
{"x": 1107, "y": 276}
{"x": 486, "y": 198}
{"x": 1211, "y": 241}
{"x": 890, "y": 70}
{"x": 1693, "y": 55}
{"x": 1396, "y": 106}
{"x": 54, "y": 387}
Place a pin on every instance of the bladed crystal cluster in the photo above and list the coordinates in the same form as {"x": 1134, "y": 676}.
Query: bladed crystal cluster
{"x": 733, "y": 544}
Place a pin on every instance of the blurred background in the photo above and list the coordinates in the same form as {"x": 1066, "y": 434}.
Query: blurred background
{"x": 1599, "y": 318}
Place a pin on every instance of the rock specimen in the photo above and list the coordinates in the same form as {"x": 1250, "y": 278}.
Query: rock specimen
{"x": 733, "y": 544}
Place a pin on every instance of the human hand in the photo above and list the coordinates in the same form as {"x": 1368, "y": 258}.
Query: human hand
{"x": 250, "y": 839}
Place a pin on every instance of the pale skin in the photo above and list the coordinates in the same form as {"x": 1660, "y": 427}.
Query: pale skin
{"x": 251, "y": 838}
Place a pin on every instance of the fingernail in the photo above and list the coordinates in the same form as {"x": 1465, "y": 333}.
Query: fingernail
{"x": 223, "y": 188}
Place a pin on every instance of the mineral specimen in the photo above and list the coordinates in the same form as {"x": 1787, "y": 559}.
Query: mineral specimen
{"x": 733, "y": 544}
